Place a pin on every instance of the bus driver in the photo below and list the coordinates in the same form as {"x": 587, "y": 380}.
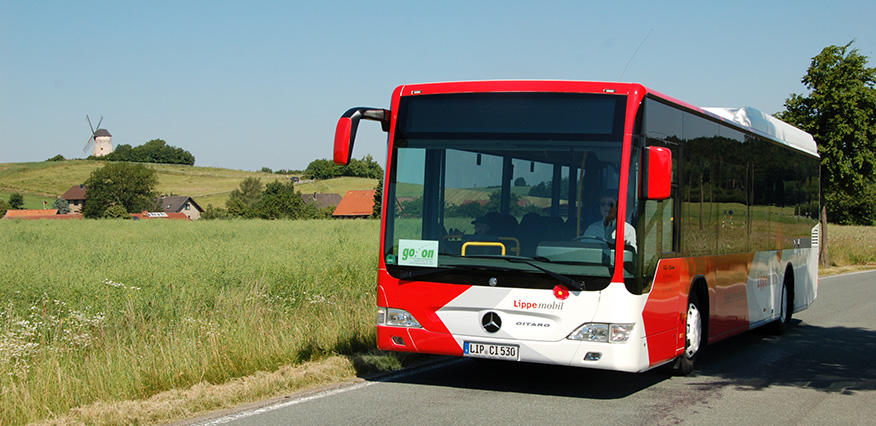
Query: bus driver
{"x": 605, "y": 229}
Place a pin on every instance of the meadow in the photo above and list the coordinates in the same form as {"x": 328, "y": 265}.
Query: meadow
{"x": 98, "y": 312}
{"x": 120, "y": 310}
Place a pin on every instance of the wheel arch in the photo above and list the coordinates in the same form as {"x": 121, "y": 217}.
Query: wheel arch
{"x": 700, "y": 288}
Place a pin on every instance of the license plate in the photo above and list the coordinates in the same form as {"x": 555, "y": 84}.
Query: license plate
{"x": 491, "y": 350}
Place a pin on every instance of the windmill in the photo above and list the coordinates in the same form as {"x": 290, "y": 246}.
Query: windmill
{"x": 101, "y": 138}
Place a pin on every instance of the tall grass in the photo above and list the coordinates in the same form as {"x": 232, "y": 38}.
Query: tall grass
{"x": 851, "y": 245}
{"x": 112, "y": 310}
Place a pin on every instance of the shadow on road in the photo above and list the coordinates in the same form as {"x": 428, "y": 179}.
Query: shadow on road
{"x": 830, "y": 359}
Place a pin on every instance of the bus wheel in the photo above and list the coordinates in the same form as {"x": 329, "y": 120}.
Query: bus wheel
{"x": 693, "y": 337}
{"x": 786, "y": 308}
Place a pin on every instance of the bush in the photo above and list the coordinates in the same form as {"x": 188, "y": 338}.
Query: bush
{"x": 116, "y": 212}
{"x": 58, "y": 157}
{"x": 211, "y": 213}
{"x": 16, "y": 201}
{"x": 267, "y": 170}
{"x": 3, "y": 207}
{"x": 62, "y": 205}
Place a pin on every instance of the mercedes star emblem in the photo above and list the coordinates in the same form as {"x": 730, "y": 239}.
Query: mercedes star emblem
{"x": 491, "y": 322}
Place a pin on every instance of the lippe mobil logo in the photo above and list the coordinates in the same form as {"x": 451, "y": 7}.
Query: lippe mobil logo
{"x": 531, "y": 306}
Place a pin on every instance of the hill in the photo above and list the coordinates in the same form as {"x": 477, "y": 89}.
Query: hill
{"x": 207, "y": 185}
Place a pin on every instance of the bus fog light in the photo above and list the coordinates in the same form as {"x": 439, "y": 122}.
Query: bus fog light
{"x": 591, "y": 332}
{"x": 593, "y": 356}
{"x": 398, "y": 318}
{"x": 620, "y": 333}
{"x": 398, "y": 340}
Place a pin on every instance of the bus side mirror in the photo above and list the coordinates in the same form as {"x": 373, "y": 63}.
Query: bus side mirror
{"x": 656, "y": 173}
{"x": 345, "y": 131}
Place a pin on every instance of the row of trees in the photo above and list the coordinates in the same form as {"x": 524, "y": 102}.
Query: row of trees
{"x": 327, "y": 169}
{"x": 154, "y": 151}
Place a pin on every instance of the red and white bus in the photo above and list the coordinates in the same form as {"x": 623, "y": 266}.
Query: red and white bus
{"x": 500, "y": 238}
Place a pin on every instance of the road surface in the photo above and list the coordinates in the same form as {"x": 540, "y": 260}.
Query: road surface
{"x": 822, "y": 371}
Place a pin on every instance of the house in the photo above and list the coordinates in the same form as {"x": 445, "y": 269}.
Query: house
{"x": 75, "y": 196}
{"x": 159, "y": 215}
{"x": 356, "y": 204}
{"x": 322, "y": 200}
{"x": 39, "y": 214}
{"x": 180, "y": 204}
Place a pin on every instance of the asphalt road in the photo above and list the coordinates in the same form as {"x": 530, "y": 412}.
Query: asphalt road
{"x": 823, "y": 371}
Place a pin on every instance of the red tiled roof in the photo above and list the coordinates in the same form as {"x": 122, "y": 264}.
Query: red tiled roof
{"x": 39, "y": 214}
{"x": 159, "y": 215}
{"x": 356, "y": 203}
{"x": 76, "y": 192}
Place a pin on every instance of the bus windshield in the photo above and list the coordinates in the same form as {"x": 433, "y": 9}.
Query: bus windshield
{"x": 480, "y": 181}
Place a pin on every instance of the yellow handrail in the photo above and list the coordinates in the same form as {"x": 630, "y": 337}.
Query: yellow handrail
{"x": 515, "y": 247}
{"x": 482, "y": 244}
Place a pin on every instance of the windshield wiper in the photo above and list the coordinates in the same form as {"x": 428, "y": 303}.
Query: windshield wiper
{"x": 562, "y": 278}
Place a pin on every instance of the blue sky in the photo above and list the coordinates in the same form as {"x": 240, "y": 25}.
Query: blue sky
{"x": 262, "y": 84}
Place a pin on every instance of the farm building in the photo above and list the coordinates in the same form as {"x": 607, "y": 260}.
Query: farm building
{"x": 159, "y": 215}
{"x": 76, "y": 197}
{"x": 181, "y": 204}
{"x": 322, "y": 200}
{"x": 39, "y": 214}
{"x": 355, "y": 204}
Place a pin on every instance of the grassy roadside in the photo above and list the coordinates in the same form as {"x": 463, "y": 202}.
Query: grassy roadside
{"x": 108, "y": 311}
{"x": 851, "y": 248}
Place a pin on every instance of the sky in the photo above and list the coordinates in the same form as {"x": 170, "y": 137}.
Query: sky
{"x": 255, "y": 84}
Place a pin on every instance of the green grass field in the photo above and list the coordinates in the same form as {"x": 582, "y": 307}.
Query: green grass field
{"x": 117, "y": 310}
{"x": 31, "y": 201}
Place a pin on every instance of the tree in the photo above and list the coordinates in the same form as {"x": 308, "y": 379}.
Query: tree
{"x": 840, "y": 113}
{"x": 378, "y": 199}
{"x": 520, "y": 181}
{"x": 58, "y": 157}
{"x": 280, "y": 201}
{"x": 241, "y": 200}
{"x": 131, "y": 186}
{"x": 16, "y": 201}
{"x": 62, "y": 205}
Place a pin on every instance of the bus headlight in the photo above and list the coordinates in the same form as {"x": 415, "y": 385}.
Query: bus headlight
{"x": 620, "y": 333}
{"x": 602, "y": 332}
{"x": 396, "y": 318}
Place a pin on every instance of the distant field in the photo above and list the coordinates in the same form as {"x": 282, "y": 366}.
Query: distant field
{"x": 31, "y": 201}
{"x": 116, "y": 310}
{"x": 207, "y": 185}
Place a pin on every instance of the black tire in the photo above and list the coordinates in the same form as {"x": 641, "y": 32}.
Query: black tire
{"x": 693, "y": 341}
{"x": 783, "y": 322}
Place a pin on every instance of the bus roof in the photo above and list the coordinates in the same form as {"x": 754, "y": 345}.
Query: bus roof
{"x": 768, "y": 126}
{"x": 748, "y": 118}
